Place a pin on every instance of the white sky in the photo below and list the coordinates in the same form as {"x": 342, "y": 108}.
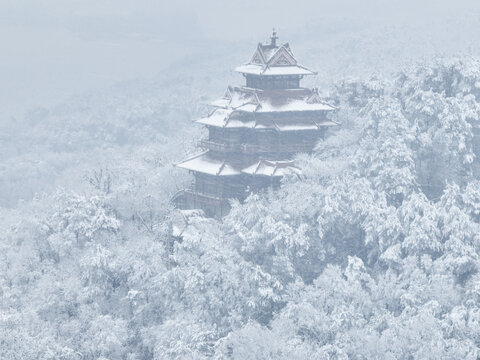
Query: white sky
{"x": 51, "y": 49}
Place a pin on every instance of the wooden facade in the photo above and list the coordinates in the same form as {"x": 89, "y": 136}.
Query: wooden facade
{"x": 273, "y": 82}
{"x": 255, "y": 131}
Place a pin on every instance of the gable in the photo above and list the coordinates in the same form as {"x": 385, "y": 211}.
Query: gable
{"x": 287, "y": 47}
{"x": 228, "y": 94}
{"x": 282, "y": 58}
{"x": 257, "y": 58}
{"x": 314, "y": 98}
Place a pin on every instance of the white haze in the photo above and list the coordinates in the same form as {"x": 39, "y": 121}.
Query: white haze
{"x": 373, "y": 252}
{"x": 53, "y": 49}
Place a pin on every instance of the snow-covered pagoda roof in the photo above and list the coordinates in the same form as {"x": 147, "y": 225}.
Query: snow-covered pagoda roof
{"x": 272, "y": 59}
{"x": 233, "y": 109}
{"x": 233, "y": 119}
{"x": 272, "y": 168}
{"x": 227, "y": 119}
{"x": 204, "y": 163}
{"x": 255, "y": 69}
{"x": 263, "y": 101}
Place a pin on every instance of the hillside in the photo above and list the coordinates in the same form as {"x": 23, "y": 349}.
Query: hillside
{"x": 373, "y": 252}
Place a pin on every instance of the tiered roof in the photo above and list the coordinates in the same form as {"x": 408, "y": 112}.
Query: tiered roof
{"x": 272, "y": 168}
{"x": 205, "y": 163}
{"x": 243, "y": 107}
{"x": 231, "y": 119}
{"x": 272, "y": 59}
{"x": 233, "y": 108}
{"x": 262, "y": 101}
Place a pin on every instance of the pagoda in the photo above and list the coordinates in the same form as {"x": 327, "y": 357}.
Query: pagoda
{"x": 254, "y": 131}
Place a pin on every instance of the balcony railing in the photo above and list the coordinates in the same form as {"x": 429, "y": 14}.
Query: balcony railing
{"x": 275, "y": 148}
{"x": 204, "y": 198}
{"x": 256, "y": 149}
{"x": 217, "y": 146}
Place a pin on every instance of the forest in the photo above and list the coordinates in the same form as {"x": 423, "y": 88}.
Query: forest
{"x": 373, "y": 252}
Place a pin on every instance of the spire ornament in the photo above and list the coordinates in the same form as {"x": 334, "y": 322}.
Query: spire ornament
{"x": 273, "y": 38}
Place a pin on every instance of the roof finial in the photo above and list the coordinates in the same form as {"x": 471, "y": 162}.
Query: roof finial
{"x": 274, "y": 38}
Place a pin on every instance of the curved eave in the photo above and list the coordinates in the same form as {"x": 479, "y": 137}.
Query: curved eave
{"x": 292, "y": 111}
{"x": 265, "y": 109}
{"x": 252, "y": 69}
{"x": 237, "y": 124}
{"x": 271, "y": 168}
{"x": 203, "y": 163}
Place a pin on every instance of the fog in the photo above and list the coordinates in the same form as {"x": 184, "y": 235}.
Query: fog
{"x": 345, "y": 206}
{"x": 54, "y": 49}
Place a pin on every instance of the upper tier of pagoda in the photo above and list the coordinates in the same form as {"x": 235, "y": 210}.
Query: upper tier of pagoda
{"x": 261, "y": 101}
{"x": 233, "y": 109}
{"x": 273, "y": 60}
{"x": 206, "y": 164}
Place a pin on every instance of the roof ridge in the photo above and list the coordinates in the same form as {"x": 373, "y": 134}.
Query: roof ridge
{"x": 282, "y": 49}
{"x": 274, "y": 169}
{"x": 258, "y": 165}
{"x": 260, "y": 51}
{"x": 275, "y": 125}
{"x": 221, "y": 167}
{"x": 226, "y": 119}
{"x": 194, "y": 156}
{"x": 305, "y": 68}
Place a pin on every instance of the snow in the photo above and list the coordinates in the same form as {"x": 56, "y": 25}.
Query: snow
{"x": 296, "y": 105}
{"x": 236, "y": 123}
{"x": 81, "y": 273}
{"x": 327, "y": 123}
{"x": 221, "y": 103}
{"x": 229, "y": 118}
{"x": 223, "y": 118}
{"x": 242, "y": 98}
{"x": 183, "y": 219}
{"x": 248, "y": 107}
{"x": 295, "y": 127}
{"x": 269, "y": 52}
{"x": 271, "y": 55}
{"x": 230, "y": 122}
{"x": 204, "y": 163}
{"x": 263, "y": 101}
{"x": 271, "y": 168}
{"x": 255, "y": 69}
{"x": 218, "y": 118}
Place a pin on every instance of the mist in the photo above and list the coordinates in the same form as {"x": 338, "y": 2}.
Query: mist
{"x": 52, "y": 50}
{"x": 178, "y": 180}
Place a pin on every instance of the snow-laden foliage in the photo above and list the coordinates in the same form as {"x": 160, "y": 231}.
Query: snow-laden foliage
{"x": 372, "y": 253}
